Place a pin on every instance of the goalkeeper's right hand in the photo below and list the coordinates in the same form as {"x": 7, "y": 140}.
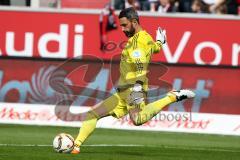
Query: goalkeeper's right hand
{"x": 161, "y": 35}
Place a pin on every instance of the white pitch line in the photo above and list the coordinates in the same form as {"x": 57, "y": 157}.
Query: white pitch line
{"x": 26, "y": 145}
{"x": 127, "y": 145}
{"x": 90, "y": 145}
{"x": 115, "y": 145}
{"x": 201, "y": 149}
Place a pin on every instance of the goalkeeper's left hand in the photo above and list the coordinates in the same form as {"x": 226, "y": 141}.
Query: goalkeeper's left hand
{"x": 137, "y": 95}
{"x": 161, "y": 36}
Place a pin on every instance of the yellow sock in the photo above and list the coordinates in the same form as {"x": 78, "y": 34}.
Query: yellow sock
{"x": 86, "y": 129}
{"x": 152, "y": 109}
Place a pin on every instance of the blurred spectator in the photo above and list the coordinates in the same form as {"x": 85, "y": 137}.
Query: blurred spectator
{"x": 223, "y": 6}
{"x": 153, "y": 4}
{"x": 222, "y": 9}
{"x": 238, "y": 1}
{"x": 194, "y": 6}
{"x": 232, "y": 6}
{"x": 4, "y": 2}
{"x": 185, "y": 5}
{"x": 198, "y": 6}
{"x": 144, "y": 5}
{"x": 167, "y": 6}
{"x": 119, "y": 4}
{"x": 132, "y": 3}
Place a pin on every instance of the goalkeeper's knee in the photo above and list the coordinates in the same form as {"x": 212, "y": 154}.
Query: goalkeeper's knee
{"x": 136, "y": 122}
{"x": 138, "y": 119}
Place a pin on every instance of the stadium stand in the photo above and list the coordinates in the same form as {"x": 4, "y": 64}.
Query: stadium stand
{"x": 93, "y": 4}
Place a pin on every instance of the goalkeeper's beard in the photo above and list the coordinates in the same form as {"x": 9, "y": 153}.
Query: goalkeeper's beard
{"x": 131, "y": 32}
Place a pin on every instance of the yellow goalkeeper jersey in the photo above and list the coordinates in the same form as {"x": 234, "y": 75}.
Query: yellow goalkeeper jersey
{"x": 135, "y": 58}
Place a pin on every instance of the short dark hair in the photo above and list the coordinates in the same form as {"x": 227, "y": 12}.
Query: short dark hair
{"x": 129, "y": 13}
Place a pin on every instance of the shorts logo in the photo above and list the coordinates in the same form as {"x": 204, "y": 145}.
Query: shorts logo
{"x": 136, "y": 54}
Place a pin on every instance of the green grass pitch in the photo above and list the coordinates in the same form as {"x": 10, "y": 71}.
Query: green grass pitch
{"x": 149, "y": 145}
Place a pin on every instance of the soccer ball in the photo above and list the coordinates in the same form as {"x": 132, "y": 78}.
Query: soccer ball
{"x": 63, "y": 143}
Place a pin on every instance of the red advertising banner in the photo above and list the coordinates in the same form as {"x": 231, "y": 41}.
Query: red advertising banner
{"x": 192, "y": 40}
{"x": 28, "y": 81}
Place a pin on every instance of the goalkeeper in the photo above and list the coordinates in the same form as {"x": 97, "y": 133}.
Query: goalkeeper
{"x": 133, "y": 83}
